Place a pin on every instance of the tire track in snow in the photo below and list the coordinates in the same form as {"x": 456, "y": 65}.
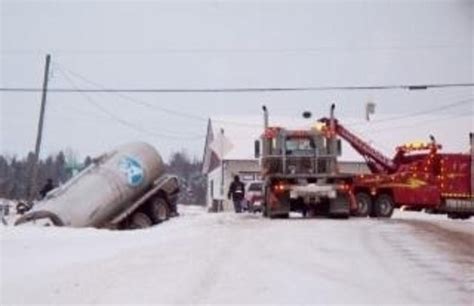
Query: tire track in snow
{"x": 384, "y": 257}
{"x": 455, "y": 247}
{"x": 424, "y": 260}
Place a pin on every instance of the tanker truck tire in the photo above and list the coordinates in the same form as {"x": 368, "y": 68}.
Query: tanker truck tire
{"x": 364, "y": 204}
{"x": 139, "y": 220}
{"x": 159, "y": 211}
{"x": 383, "y": 206}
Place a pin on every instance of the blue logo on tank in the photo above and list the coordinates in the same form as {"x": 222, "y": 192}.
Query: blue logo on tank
{"x": 132, "y": 170}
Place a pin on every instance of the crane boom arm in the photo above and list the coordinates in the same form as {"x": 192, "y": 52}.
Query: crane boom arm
{"x": 376, "y": 161}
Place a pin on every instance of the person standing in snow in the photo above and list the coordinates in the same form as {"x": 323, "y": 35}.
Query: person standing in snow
{"x": 237, "y": 193}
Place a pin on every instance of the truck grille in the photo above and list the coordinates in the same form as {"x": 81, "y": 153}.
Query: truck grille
{"x": 297, "y": 164}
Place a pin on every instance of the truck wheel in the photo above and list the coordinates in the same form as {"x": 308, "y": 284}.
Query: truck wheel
{"x": 384, "y": 206}
{"x": 304, "y": 212}
{"x": 270, "y": 214}
{"x": 265, "y": 209}
{"x": 452, "y": 216}
{"x": 339, "y": 216}
{"x": 159, "y": 211}
{"x": 140, "y": 220}
{"x": 364, "y": 204}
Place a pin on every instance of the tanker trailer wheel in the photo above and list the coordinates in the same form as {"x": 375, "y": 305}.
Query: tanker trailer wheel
{"x": 139, "y": 220}
{"x": 383, "y": 206}
{"x": 159, "y": 210}
{"x": 364, "y": 204}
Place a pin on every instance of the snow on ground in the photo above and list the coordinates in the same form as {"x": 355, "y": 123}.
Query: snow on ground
{"x": 227, "y": 258}
{"x": 436, "y": 220}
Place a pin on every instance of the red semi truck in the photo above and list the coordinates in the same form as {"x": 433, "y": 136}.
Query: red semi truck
{"x": 299, "y": 173}
{"x": 418, "y": 177}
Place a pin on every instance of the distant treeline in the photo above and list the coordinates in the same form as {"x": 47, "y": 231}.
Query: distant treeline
{"x": 15, "y": 174}
{"x": 193, "y": 182}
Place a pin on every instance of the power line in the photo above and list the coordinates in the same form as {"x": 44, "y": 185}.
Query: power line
{"x": 154, "y": 106}
{"x": 125, "y": 122}
{"x": 242, "y": 89}
{"x": 198, "y": 51}
{"x": 419, "y": 113}
{"x": 121, "y": 93}
{"x": 64, "y": 71}
{"x": 419, "y": 123}
{"x": 129, "y": 98}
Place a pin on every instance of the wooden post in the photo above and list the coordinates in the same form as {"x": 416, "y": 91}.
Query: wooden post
{"x": 34, "y": 174}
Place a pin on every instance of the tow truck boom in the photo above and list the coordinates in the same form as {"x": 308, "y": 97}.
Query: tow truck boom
{"x": 376, "y": 161}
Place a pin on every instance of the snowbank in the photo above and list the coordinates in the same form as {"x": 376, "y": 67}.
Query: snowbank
{"x": 228, "y": 258}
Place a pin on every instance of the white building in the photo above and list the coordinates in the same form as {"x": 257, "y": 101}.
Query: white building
{"x": 228, "y": 151}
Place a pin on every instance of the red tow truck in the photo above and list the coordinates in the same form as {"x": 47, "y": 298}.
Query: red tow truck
{"x": 417, "y": 177}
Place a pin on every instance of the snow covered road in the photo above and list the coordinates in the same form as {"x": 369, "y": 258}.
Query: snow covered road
{"x": 228, "y": 258}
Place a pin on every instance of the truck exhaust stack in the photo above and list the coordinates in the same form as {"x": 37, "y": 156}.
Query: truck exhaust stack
{"x": 265, "y": 117}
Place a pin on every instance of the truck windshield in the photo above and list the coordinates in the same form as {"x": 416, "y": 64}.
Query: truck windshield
{"x": 299, "y": 146}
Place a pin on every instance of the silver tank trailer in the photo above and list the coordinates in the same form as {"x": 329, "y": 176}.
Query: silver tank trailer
{"x": 102, "y": 191}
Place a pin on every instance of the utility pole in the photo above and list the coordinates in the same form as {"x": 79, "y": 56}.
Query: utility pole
{"x": 34, "y": 174}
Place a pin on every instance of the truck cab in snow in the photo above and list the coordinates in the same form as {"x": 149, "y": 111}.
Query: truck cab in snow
{"x": 126, "y": 188}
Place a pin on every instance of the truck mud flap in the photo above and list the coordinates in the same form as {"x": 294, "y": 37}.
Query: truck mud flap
{"x": 340, "y": 206}
{"x": 279, "y": 207}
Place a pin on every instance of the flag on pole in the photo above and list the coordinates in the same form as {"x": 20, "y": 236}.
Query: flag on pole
{"x": 221, "y": 145}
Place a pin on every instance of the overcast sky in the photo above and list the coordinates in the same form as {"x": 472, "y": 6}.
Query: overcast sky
{"x": 214, "y": 44}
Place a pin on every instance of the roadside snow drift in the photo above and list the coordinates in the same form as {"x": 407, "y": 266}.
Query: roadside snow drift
{"x": 228, "y": 258}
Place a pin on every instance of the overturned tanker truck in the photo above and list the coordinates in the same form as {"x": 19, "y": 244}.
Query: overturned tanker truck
{"x": 126, "y": 188}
